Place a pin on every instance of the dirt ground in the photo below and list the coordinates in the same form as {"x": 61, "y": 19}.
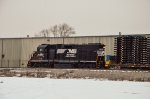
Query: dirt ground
{"x": 130, "y": 75}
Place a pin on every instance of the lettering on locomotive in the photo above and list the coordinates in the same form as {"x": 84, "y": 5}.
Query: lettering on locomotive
{"x": 67, "y": 52}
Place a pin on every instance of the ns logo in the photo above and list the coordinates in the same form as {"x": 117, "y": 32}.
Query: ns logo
{"x": 67, "y": 52}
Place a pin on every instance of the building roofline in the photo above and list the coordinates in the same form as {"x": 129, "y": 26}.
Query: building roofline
{"x": 70, "y": 36}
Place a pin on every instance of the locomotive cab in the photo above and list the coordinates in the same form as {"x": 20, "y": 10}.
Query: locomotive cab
{"x": 42, "y": 51}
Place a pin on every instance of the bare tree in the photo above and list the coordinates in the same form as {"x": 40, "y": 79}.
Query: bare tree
{"x": 54, "y": 30}
{"x": 62, "y": 30}
{"x": 45, "y": 33}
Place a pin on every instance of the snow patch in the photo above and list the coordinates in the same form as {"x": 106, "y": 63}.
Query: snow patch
{"x": 45, "y": 88}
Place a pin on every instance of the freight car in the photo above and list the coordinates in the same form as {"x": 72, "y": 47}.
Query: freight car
{"x": 133, "y": 51}
{"x": 69, "y": 56}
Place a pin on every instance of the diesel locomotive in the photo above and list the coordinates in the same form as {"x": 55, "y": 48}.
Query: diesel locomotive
{"x": 69, "y": 56}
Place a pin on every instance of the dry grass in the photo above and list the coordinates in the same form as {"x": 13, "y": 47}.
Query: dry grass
{"x": 77, "y": 73}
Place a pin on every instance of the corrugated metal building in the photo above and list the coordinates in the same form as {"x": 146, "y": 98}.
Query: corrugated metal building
{"x": 15, "y": 52}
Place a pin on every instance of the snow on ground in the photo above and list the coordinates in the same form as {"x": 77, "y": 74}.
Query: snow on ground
{"x": 45, "y": 88}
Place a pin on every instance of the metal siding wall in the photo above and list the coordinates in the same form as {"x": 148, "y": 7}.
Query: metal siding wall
{"x": 12, "y": 53}
{"x": 93, "y": 40}
{"x": 81, "y": 40}
{"x": 109, "y": 42}
{"x": 0, "y": 52}
{"x": 55, "y": 40}
{"x": 70, "y": 41}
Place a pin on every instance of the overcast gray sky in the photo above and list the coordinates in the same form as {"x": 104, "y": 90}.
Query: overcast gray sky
{"x": 89, "y": 17}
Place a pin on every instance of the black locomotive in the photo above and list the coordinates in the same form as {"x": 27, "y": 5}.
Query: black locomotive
{"x": 68, "y": 56}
